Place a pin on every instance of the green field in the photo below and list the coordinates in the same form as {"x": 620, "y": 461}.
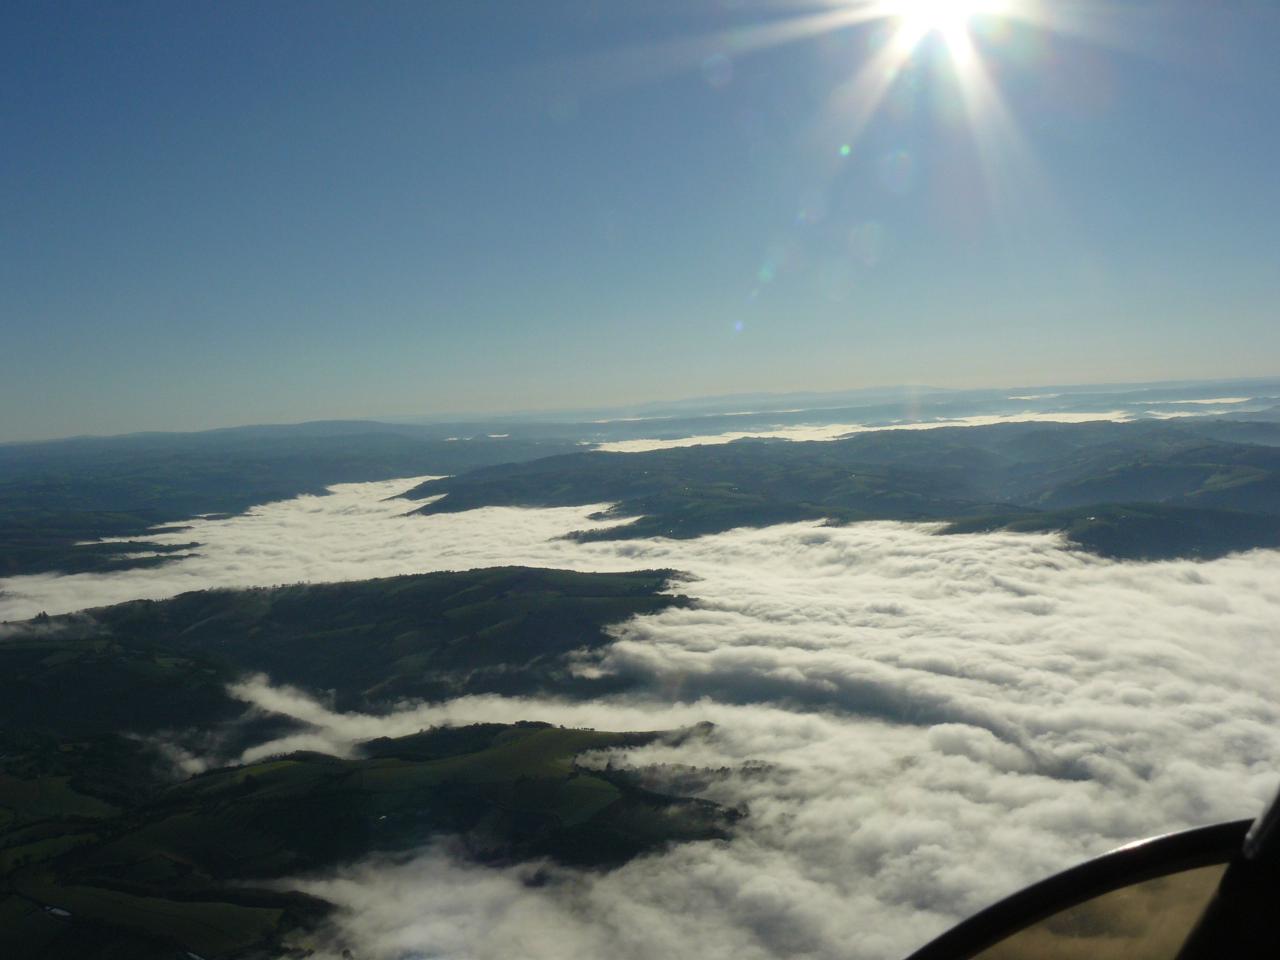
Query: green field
{"x": 209, "y": 928}
{"x": 45, "y": 797}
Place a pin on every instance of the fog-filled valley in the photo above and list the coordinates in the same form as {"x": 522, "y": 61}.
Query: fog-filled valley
{"x": 754, "y": 697}
{"x": 639, "y": 480}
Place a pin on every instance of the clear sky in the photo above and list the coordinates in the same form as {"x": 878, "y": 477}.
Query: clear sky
{"x": 222, "y": 213}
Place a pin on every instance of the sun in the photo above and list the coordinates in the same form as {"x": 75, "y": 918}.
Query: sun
{"x": 948, "y": 18}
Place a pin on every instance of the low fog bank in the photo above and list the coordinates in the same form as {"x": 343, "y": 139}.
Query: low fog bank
{"x": 917, "y": 724}
{"x": 357, "y": 531}
{"x": 835, "y": 431}
{"x": 864, "y": 838}
{"x": 810, "y": 418}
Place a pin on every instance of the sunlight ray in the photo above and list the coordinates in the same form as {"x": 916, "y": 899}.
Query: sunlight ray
{"x": 852, "y": 105}
{"x": 1012, "y": 174}
{"x": 1121, "y": 27}
{"x": 647, "y": 63}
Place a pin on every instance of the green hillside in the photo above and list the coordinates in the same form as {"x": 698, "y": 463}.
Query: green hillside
{"x": 106, "y": 851}
{"x": 1143, "y": 531}
{"x": 502, "y": 630}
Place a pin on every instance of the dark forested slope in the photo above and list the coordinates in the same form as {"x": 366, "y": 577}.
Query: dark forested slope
{"x": 55, "y": 494}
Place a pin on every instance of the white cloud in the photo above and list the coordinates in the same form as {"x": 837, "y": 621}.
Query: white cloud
{"x": 357, "y": 531}
{"x": 940, "y": 719}
{"x": 834, "y": 431}
{"x": 1209, "y": 400}
{"x": 826, "y": 431}
{"x": 865, "y": 837}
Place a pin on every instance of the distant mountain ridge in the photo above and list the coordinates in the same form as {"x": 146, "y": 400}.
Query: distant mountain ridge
{"x": 57, "y": 495}
{"x": 1221, "y": 495}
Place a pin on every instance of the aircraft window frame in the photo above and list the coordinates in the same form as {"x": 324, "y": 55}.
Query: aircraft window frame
{"x": 1131, "y": 864}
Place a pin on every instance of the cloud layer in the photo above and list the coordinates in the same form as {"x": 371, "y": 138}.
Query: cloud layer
{"x": 918, "y": 724}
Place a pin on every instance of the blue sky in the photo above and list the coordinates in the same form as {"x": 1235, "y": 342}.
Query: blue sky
{"x": 246, "y": 212}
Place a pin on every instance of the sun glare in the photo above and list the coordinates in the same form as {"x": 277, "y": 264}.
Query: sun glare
{"x": 948, "y": 18}
{"x": 953, "y": 43}
{"x": 944, "y": 16}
